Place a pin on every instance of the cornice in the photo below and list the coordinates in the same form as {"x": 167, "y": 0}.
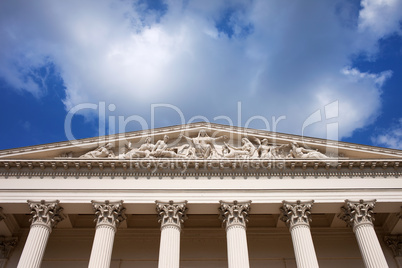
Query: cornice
{"x": 202, "y": 168}
{"x": 210, "y": 126}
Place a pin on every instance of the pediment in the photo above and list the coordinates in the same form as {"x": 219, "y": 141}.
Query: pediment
{"x": 201, "y": 141}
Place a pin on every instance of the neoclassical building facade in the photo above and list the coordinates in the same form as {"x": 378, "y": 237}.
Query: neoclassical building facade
{"x": 200, "y": 195}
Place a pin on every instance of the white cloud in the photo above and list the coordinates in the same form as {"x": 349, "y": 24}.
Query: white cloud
{"x": 378, "y": 19}
{"x": 391, "y": 137}
{"x": 290, "y": 61}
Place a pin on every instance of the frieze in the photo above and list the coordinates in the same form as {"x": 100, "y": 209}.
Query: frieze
{"x": 203, "y": 146}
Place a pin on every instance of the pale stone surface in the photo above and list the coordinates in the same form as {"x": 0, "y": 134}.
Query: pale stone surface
{"x": 45, "y": 216}
{"x": 297, "y": 217}
{"x": 108, "y": 216}
{"x": 142, "y": 152}
{"x": 204, "y": 147}
{"x": 100, "y": 152}
{"x": 171, "y": 217}
{"x": 358, "y": 214}
{"x": 267, "y": 177}
{"x": 234, "y": 217}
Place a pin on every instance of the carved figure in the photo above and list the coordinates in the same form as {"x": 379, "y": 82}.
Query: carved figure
{"x": 101, "y": 152}
{"x": 300, "y": 152}
{"x": 203, "y": 144}
{"x": 264, "y": 150}
{"x": 142, "y": 152}
{"x": 247, "y": 149}
{"x": 161, "y": 149}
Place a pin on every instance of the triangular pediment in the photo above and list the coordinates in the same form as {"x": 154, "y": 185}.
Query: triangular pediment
{"x": 201, "y": 141}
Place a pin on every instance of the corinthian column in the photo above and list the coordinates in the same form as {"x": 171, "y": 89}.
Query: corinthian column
{"x": 234, "y": 217}
{"x": 171, "y": 217}
{"x": 7, "y": 244}
{"x": 45, "y": 216}
{"x": 297, "y": 217}
{"x": 358, "y": 214}
{"x": 395, "y": 243}
{"x": 108, "y": 216}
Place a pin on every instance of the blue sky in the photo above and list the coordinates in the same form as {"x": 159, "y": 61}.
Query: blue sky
{"x": 77, "y": 69}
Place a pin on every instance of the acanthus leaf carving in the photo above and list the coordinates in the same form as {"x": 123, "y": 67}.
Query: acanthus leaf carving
{"x": 7, "y": 244}
{"x": 394, "y": 242}
{"x": 44, "y": 213}
{"x": 356, "y": 213}
{"x": 109, "y": 213}
{"x": 298, "y": 213}
{"x": 234, "y": 213}
{"x": 171, "y": 213}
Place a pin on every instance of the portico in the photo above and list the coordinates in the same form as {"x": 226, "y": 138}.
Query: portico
{"x": 196, "y": 211}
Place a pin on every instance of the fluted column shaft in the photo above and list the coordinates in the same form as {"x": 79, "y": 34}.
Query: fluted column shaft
{"x": 235, "y": 217}
{"x": 394, "y": 242}
{"x": 358, "y": 214}
{"x": 7, "y": 244}
{"x": 35, "y": 246}
{"x": 297, "y": 217}
{"x": 108, "y": 217}
{"x": 171, "y": 217}
{"x": 45, "y": 216}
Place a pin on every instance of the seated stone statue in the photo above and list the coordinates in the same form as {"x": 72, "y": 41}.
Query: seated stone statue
{"x": 101, "y": 152}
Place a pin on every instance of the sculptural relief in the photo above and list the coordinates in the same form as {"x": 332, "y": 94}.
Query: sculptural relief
{"x": 161, "y": 149}
{"x": 142, "y": 152}
{"x": 203, "y": 146}
{"x": 101, "y": 152}
{"x": 301, "y": 152}
{"x": 246, "y": 150}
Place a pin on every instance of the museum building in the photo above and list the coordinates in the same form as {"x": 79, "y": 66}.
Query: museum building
{"x": 200, "y": 195}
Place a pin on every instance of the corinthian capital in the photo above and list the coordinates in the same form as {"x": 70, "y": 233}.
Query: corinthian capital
{"x": 356, "y": 213}
{"x": 109, "y": 213}
{"x": 7, "y": 244}
{"x": 395, "y": 243}
{"x": 44, "y": 213}
{"x": 171, "y": 213}
{"x": 234, "y": 213}
{"x": 296, "y": 213}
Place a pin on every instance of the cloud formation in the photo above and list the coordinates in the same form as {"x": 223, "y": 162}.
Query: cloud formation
{"x": 278, "y": 59}
{"x": 391, "y": 137}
